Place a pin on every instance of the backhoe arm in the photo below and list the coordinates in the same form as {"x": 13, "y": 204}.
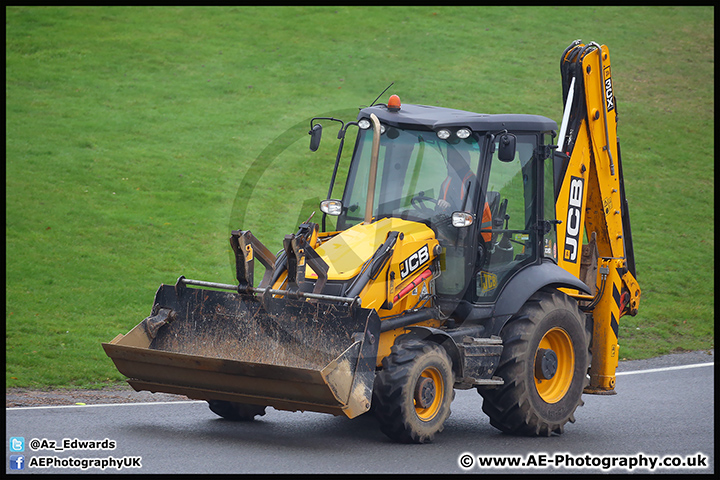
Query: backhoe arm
{"x": 590, "y": 197}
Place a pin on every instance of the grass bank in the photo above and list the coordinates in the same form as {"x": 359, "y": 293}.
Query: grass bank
{"x": 138, "y": 137}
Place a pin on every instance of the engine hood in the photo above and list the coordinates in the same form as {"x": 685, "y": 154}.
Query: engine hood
{"x": 346, "y": 252}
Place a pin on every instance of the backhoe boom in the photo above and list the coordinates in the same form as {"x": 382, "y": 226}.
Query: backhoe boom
{"x": 591, "y": 199}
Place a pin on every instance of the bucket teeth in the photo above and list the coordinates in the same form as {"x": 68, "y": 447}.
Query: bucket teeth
{"x": 153, "y": 323}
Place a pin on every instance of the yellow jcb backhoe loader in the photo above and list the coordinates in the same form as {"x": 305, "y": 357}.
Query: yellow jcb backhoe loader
{"x": 469, "y": 251}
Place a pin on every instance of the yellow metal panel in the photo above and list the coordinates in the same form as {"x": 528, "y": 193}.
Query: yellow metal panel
{"x": 346, "y": 252}
{"x": 570, "y": 205}
{"x": 413, "y": 254}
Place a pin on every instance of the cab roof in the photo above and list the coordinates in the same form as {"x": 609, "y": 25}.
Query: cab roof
{"x": 434, "y": 118}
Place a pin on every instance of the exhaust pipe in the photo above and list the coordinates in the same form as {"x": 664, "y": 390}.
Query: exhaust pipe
{"x": 373, "y": 169}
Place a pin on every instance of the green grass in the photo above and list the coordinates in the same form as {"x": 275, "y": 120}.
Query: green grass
{"x": 137, "y": 138}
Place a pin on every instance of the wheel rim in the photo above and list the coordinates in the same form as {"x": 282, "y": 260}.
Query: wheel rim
{"x": 553, "y": 390}
{"x": 429, "y": 393}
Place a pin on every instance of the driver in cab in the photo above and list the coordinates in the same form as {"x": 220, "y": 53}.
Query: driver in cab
{"x": 460, "y": 179}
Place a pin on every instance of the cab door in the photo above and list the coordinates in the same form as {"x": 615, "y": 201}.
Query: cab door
{"x": 508, "y": 239}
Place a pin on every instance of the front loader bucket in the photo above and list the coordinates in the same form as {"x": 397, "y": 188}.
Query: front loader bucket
{"x": 290, "y": 354}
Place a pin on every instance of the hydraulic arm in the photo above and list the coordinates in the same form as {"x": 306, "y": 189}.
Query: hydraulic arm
{"x": 591, "y": 200}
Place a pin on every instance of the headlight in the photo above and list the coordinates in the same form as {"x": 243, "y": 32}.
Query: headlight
{"x": 364, "y": 124}
{"x": 443, "y": 134}
{"x": 461, "y": 219}
{"x": 463, "y": 133}
{"x": 331, "y": 207}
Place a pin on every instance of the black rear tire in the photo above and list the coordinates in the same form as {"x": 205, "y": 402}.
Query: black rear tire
{"x": 237, "y": 412}
{"x": 544, "y": 365}
{"x": 413, "y": 392}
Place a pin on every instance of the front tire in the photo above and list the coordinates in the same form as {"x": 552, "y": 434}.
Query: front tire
{"x": 544, "y": 366}
{"x": 413, "y": 392}
{"x": 237, "y": 412}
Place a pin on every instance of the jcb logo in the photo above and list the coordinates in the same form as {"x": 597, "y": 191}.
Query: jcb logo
{"x": 414, "y": 261}
{"x": 488, "y": 282}
{"x": 609, "y": 97}
{"x": 574, "y": 219}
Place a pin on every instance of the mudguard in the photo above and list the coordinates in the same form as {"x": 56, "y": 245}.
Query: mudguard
{"x": 522, "y": 286}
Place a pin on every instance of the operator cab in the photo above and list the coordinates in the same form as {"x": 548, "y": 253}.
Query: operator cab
{"x": 477, "y": 180}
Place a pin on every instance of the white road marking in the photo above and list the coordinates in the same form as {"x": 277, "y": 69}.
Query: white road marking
{"x": 666, "y": 369}
{"x": 106, "y": 405}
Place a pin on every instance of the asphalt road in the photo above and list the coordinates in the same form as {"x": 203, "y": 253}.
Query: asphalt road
{"x": 664, "y": 411}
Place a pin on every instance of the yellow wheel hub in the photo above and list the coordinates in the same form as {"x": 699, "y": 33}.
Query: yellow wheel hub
{"x": 429, "y": 391}
{"x": 554, "y": 365}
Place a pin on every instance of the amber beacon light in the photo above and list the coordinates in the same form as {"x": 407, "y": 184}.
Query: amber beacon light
{"x": 393, "y": 103}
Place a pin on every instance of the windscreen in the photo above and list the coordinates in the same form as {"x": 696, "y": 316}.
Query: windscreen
{"x": 419, "y": 176}
{"x": 423, "y": 178}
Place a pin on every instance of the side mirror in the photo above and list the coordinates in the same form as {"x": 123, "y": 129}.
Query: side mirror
{"x": 506, "y": 147}
{"x": 315, "y": 135}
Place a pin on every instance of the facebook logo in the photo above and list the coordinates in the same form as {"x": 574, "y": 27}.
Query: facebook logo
{"x": 17, "y": 444}
{"x": 17, "y": 462}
